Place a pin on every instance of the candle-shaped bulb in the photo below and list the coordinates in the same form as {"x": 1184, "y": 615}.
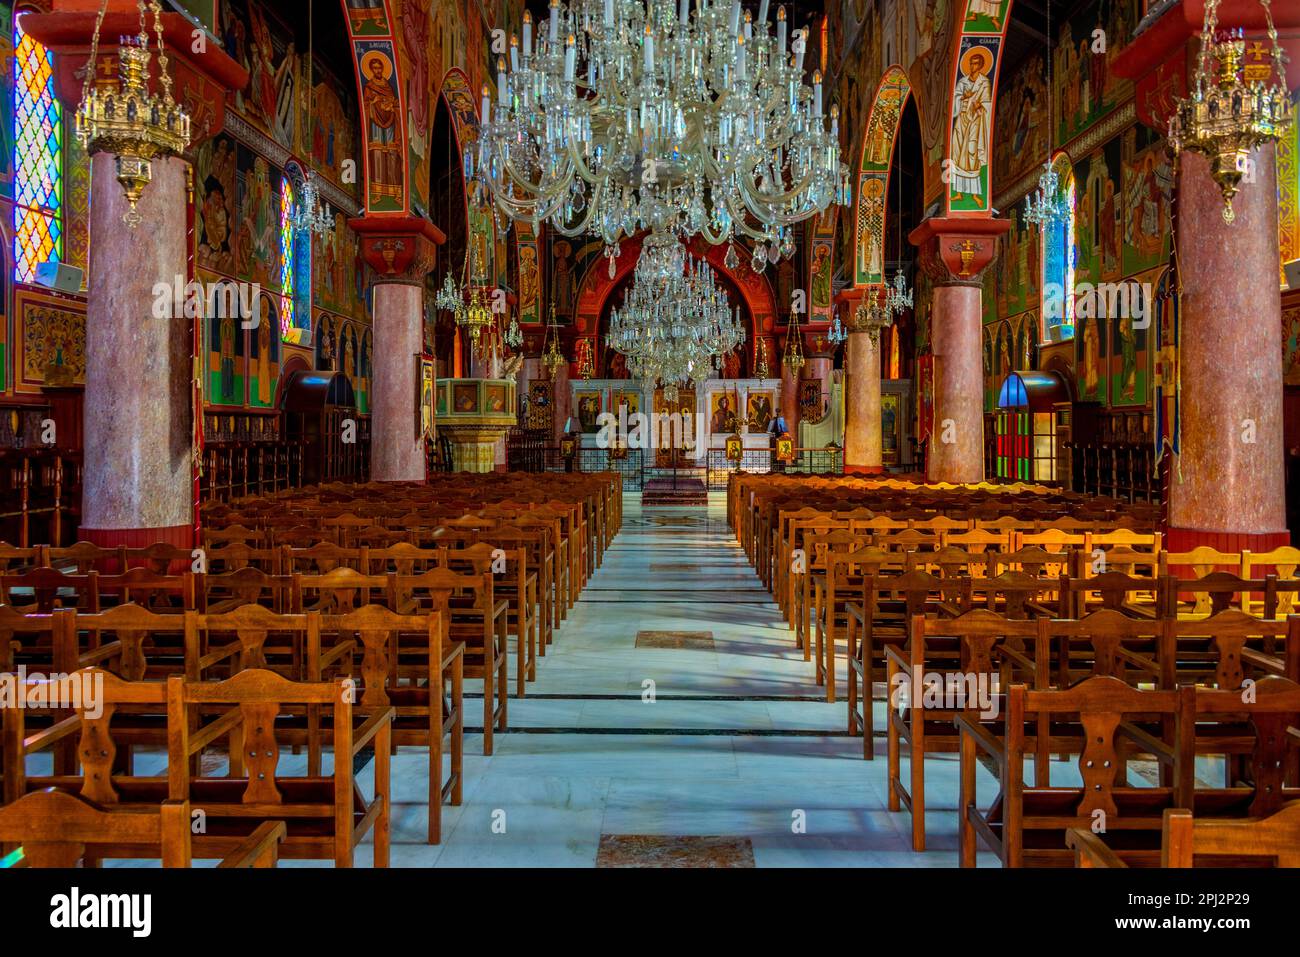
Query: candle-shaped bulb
{"x": 487, "y": 102}
{"x": 649, "y": 49}
{"x": 555, "y": 20}
{"x": 570, "y": 57}
{"x": 501, "y": 80}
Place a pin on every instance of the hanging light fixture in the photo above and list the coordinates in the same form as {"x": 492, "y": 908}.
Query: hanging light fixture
{"x": 898, "y": 296}
{"x": 311, "y": 214}
{"x": 675, "y": 322}
{"x": 793, "y": 358}
{"x": 872, "y": 315}
{"x": 467, "y": 303}
{"x": 1233, "y": 109}
{"x": 552, "y": 358}
{"x": 128, "y": 122}
{"x": 1047, "y": 207}
{"x": 617, "y": 116}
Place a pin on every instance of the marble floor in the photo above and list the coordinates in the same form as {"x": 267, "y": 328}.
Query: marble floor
{"x": 621, "y": 744}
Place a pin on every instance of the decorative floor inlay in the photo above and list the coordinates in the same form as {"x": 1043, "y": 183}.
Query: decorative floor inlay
{"x": 679, "y": 640}
{"x": 655, "y": 850}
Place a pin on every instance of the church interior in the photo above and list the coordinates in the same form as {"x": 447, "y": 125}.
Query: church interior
{"x": 650, "y": 434}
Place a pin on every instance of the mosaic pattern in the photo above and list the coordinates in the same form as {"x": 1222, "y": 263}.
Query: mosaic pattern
{"x": 38, "y": 154}
{"x": 654, "y": 850}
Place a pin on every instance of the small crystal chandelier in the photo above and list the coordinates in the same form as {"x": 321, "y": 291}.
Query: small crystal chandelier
{"x": 514, "y": 336}
{"x": 1047, "y": 207}
{"x": 1233, "y": 110}
{"x": 898, "y": 297}
{"x": 130, "y": 123}
{"x": 312, "y": 214}
{"x": 467, "y": 304}
{"x": 837, "y": 335}
{"x": 553, "y": 359}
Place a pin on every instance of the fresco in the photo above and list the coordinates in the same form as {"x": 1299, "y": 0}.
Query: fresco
{"x": 1021, "y": 127}
{"x": 1085, "y": 87}
{"x": 970, "y": 137}
{"x": 51, "y": 341}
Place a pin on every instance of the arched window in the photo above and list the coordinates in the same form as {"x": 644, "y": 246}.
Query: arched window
{"x": 295, "y": 261}
{"x": 1059, "y": 259}
{"x": 38, "y": 158}
{"x": 288, "y": 257}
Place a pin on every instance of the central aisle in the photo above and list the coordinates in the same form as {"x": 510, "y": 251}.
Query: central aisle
{"x": 672, "y": 737}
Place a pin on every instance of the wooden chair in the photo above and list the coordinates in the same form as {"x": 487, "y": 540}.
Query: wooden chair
{"x": 408, "y": 665}
{"x": 53, "y": 829}
{"x": 1026, "y": 825}
{"x": 964, "y": 663}
{"x": 325, "y": 816}
{"x": 474, "y": 617}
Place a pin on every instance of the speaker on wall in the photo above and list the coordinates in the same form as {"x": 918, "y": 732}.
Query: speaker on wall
{"x": 59, "y": 276}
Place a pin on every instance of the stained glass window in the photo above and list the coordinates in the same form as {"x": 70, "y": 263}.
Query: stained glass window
{"x": 1059, "y": 260}
{"x": 288, "y": 257}
{"x": 38, "y": 159}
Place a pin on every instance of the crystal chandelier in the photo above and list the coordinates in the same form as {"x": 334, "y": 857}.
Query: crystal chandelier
{"x": 1047, "y": 207}
{"x": 673, "y": 327}
{"x": 129, "y": 122}
{"x": 312, "y": 214}
{"x": 898, "y": 296}
{"x": 552, "y": 358}
{"x": 467, "y": 304}
{"x": 1232, "y": 111}
{"x": 618, "y": 116}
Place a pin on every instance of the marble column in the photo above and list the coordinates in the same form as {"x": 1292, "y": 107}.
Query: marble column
{"x": 400, "y": 251}
{"x": 863, "y": 451}
{"x": 955, "y": 253}
{"x": 1228, "y": 490}
{"x": 790, "y": 398}
{"x": 396, "y": 448}
{"x": 138, "y": 485}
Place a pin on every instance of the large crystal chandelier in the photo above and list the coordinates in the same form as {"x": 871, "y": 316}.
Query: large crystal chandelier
{"x": 132, "y": 124}
{"x": 674, "y": 327}
{"x": 1234, "y": 109}
{"x": 624, "y": 115}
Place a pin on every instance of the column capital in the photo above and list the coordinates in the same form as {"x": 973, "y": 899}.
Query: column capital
{"x": 399, "y": 249}
{"x": 203, "y": 73}
{"x": 955, "y": 251}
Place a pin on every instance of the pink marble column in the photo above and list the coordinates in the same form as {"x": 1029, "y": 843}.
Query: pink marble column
{"x": 139, "y": 420}
{"x": 790, "y": 398}
{"x": 954, "y": 253}
{"x": 396, "y": 448}
{"x": 862, "y": 441}
{"x": 1229, "y": 488}
{"x": 957, "y": 446}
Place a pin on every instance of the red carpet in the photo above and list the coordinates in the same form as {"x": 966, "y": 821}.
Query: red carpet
{"x": 687, "y": 493}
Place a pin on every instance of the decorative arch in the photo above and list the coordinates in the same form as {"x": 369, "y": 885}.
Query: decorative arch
{"x": 967, "y": 171}
{"x": 598, "y": 286}
{"x": 373, "y": 28}
{"x": 874, "y": 167}
{"x": 458, "y": 94}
